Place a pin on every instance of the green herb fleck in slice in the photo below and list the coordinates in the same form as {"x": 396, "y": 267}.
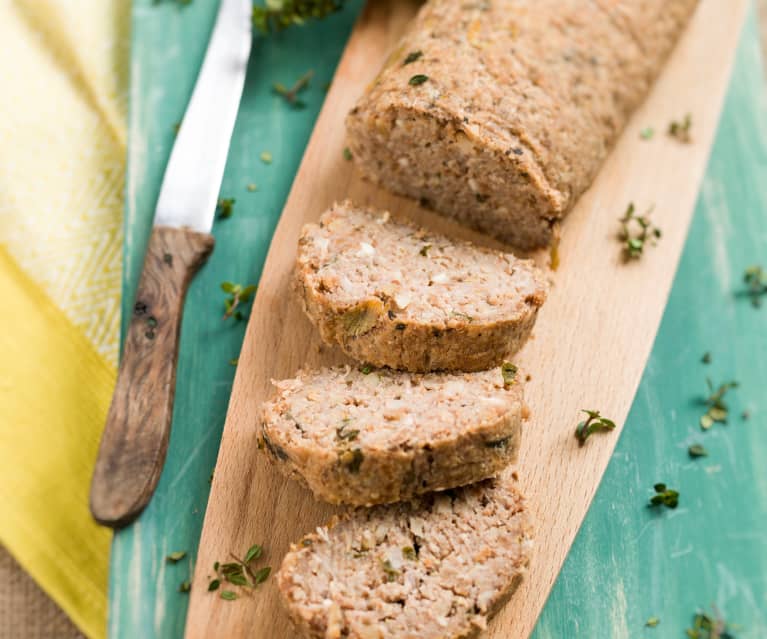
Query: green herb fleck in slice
{"x": 408, "y": 552}
{"x": 352, "y": 459}
{"x": 425, "y": 250}
{"x": 594, "y": 423}
{"x": 347, "y": 153}
{"x": 647, "y": 133}
{"x": 362, "y": 318}
{"x": 420, "y": 78}
{"x": 389, "y": 570}
{"x": 509, "y": 373}
{"x": 412, "y": 57}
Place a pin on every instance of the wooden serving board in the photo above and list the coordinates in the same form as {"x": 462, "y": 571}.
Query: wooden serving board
{"x": 590, "y": 344}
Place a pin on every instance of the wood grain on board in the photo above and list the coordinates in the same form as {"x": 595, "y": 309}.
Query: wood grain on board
{"x": 590, "y": 344}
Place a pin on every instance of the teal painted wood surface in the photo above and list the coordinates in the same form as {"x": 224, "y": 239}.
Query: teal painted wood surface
{"x": 628, "y": 562}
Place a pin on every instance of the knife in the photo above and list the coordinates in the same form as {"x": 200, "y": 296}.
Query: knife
{"x": 135, "y": 438}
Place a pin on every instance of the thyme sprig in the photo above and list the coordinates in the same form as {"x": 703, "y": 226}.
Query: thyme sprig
{"x": 755, "y": 278}
{"x": 664, "y": 496}
{"x": 238, "y": 294}
{"x": 291, "y": 94}
{"x": 595, "y": 423}
{"x": 717, "y": 408}
{"x": 636, "y": 232}
{"x": 277, "y": 15}
{"x": 239, "y": 573}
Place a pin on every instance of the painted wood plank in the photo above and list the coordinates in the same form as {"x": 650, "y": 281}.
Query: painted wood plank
{"x": 250, "y": 503}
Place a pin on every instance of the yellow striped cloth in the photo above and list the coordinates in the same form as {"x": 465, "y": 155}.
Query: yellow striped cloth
{"x": 62, "y": 153}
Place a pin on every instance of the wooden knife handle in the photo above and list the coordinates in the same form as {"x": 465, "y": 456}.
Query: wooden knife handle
{"x": 135, "y": 438}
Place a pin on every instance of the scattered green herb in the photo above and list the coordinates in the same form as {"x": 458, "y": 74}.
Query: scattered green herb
{"x": 280, "y": 14}
{"x": 238, "y": 294}
{"x": 291, "y": 94}
{"x": 417, "y": 79}
{"x": 252, "y": 187}
{"x": 647, "y": 133}
{"x": 745, "y": 414}
{"x": 755, "y": 278}
{"x": 225, "y": 207}
{"x": 696, "y": 450}
{"x": 254, "y": 552}
{"x": 652, "y": 622}
{"x": 509, "y": 373}
{"x": 234, "y": 361}
{"x": 239, "y": 573}
{"x": 593, "y": 424}
{"x": 664, "y": 497}
{"x": 389, "y": 570}
{"x": 706, "y": 359}
{"x": 636, "y": 232}
{"x": 348, "y": 435}
{"x": 366, "y": 369}
{"x": 412, "y": 57}
{"x": 347, "y": 154}
{"x": 266, "y": 157}
{"x": 710, "y": 626}
{"x": 261, "y": 575}
{"x": 185, "y": 586}
{"x": 681, "y": 130}
{"x": 717, "y": 408}
{"x": 176, "y": 556}
{"x": 424, "y": 252}
{"x": 408, "y": 552}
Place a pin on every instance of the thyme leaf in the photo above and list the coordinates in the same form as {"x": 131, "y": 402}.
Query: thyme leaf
{"x": 755, "y": 278}
{"x": 664, "y": 496}
{"x": 277, "y": 15}
{"x": 417, "y": 79}
{"x": 237, "y": 295}
{"x": 594, "y": 423}
{"x": 291, "y": 94}
{"x": 225, "y": 207}
{"x": 681, "y": 130}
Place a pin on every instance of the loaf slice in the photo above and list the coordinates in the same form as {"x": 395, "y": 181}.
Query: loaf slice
{"x": 436, "y": 568}
{"x": 394, "y": 295}
{"x": 499, "y": 114}
{"x": 366, "y": 437}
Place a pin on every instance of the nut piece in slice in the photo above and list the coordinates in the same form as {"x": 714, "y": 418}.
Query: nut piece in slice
{"x": 395, "y": 295}
{"x": 434, "y": 568}
{"x": 368, "y": 436}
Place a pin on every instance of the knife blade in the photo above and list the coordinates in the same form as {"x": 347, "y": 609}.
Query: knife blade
{"x": 135, "y": 438}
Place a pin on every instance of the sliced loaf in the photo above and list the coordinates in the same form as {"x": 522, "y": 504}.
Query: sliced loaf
{"x": 366, "y": 437}
{"x": 435, "y": 568}
{"x": 392, "y": 294}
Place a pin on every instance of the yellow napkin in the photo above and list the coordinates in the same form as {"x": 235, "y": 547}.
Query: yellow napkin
{"x": 62, "y": 150}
